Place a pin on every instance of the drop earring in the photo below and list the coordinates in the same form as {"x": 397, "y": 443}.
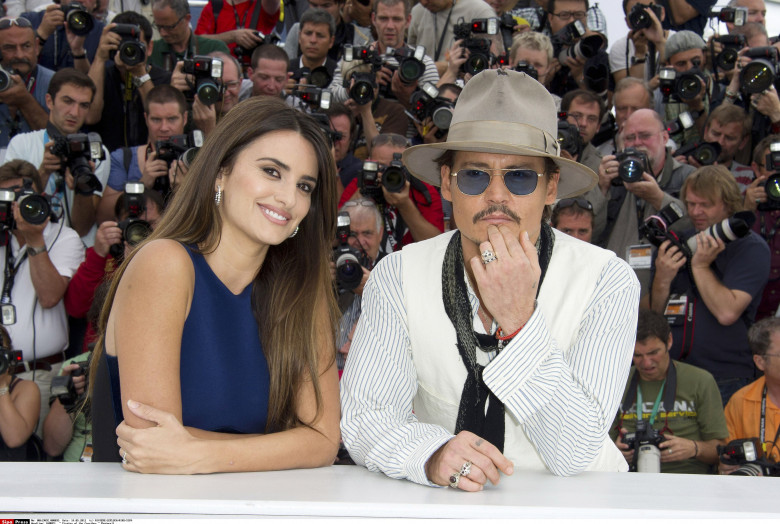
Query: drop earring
{"x": 294, "y": 232}
{"x": 218, "y": 196}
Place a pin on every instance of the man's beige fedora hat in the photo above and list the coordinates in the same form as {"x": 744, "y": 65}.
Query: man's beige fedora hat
{"x": 503, "y": 112}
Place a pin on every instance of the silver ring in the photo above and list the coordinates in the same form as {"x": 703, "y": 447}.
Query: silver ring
{"x": 465, "y": 469}
{"x": 670, "y": 451}
{"x": 124, "y": 457}
{"x": 488, "y": 257}
{"x": 454, "y": 479}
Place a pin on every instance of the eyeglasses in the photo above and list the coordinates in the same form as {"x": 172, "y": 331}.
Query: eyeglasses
{"x": 232, "y": 84}
{"x": 169, "y": 27}
{"x": 5, "y": 23}
{"x": 568, "y": 15}
{"x": 356, "y": 203}
{"x": 591, "y": 119}
{"x": 642, "y": 137}
{"x": 519, "y": 182}
{"x": 568, "y": 202}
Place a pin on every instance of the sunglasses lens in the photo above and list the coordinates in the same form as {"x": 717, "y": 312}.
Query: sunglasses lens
{"x": 473, "y": 181}
{"x": 521, "y": 182}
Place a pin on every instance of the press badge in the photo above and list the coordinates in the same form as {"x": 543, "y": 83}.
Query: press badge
{"x": 640, "y": 256}
{"x": 8, "y": 312}
{"x": 675, "y": 309}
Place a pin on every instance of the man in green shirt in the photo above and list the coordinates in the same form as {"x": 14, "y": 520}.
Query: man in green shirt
{"x": 172, "y": 20}
{"x": 67, "y": 431}
{"x": 694, "y": 426}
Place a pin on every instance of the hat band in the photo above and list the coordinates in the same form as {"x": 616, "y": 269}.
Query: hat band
{"x": 511, "y": 134}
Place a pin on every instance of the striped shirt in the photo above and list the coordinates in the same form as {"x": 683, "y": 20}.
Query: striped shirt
{"x": 566, "y": 402}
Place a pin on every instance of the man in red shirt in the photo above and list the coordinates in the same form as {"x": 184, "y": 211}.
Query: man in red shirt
{"x": 234, "y": 21}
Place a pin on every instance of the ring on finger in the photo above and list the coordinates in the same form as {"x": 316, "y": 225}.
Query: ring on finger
{"x": 488, "y": 257}
{"x": 454, "y": 479}
{"x": 465, "y": 469}
{"x": 124, "y": 457}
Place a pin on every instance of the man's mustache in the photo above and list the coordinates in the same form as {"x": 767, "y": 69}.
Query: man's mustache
{"x": 496, "y": 208}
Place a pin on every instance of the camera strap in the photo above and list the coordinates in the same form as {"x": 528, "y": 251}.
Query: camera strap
{"x": 11, "y": 268}
{"x": 437, "y": 49}
{"x": 688, "y": 327}
{"x": 668, "y": 391}
{"x": 762, "y": 425}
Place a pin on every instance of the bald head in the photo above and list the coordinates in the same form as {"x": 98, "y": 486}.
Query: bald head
{"x": 645, "y": 130}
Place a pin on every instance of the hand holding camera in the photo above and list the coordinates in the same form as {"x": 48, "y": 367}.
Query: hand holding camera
{"x": 53, "y": 18}
{"x": 755, "y": 194}
{"x": 246, "y": 38}
{"x": 109, "y": 43}
{"x": 767, "y": 103}
{"x": 108, "y": 234}
{"x": 153, "y": 169}
{"x": 608, "y": 172}
{"x": 668, "y": 261}
{"x": 51, "y": 163}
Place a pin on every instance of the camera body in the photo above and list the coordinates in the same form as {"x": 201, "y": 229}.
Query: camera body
{"x": 78, "y": 18}
{"x": 34, "y": 208}
{"x": 732, "y": 44}
{"x": 644, "y": 441}
{"x": 569, "y": 136}
{"x": 571, "y": 42}
{"x": 317, "y": 77}
{"x": 76, "y": 151}
{"x": 705, "y": 153}
{"x": 315, "y": 97}
{"x": 478, "y": 48}
{"x": 6, "y": 82}
{"x": 638, "y": 17}
{"x": 244, "y": 54}
{"x": 731, "y": 15}
{"x": 760, "y": 74}
{"x": 131, "y": 49}
{"x": 748, "y": 454}
{"x": 633, "y": 163}
{"x": 656, "y": 228}
{"x": 9, "y": 358}
{"x": 208, "y": 78}
{"x": 365, "y": 84}
{"x": 680, "y": 86}
{"x": 349, "y": 261}
{"x": 426, "y": 102}
{"x": 62, "y": 387}
{"x": 177, "y": 147}
{"x": 134, "y": 228}
{"x": 525, "y": 67}
{"x": 410, "y": 63}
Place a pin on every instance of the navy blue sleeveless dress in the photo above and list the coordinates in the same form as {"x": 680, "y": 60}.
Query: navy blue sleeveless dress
{"x": 224, "y": 373}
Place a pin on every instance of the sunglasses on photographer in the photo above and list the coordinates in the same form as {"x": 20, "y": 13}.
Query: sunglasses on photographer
{"x": 519, "y": 182}
{"x": 568, "y": 202}
{"x": 5, "y": 23}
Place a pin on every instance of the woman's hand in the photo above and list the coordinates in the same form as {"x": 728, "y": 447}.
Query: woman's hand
{"x": 166, "y": 448}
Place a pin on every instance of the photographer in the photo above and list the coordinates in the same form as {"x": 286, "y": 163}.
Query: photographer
{"x": 177, "y": 42}
{"x": 69, "y": 98}
{"x": 585, "y": 110}
{"x": 630, "y": 55}
{"x": 60, "y": 46}
{"x": 19, "y": 407}
{"x": 317, "y": 33}
{"x": 627, "y": 204}
{"x": 67, "y": 432}
{"x": 236, "y": 22}
{"x": 711, "y": 298}
{"x": 390, "y": 19}
{"x": 343, "y": 124}
{"x": 574, "y": 216}
{"x": 536, "y": 50}
{"x": 688, "y": 431}
{"x": 205, "y": 117}
{"x": 631, "y": 94}
{"x": 124, "y": 86}
{"x": 166, "y": 116}
{"x": 756, "y": 12}
{"x": 754, "y": 411}
{"x": 410, "y": 215}
{"x": 23, "y": 102}
{"x": 347, "y": 31}
{"x": 269, "y": 72}
{"x": 44, "y": 256}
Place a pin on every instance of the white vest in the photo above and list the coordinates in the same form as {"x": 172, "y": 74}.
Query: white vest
{"x": 571, "y": 277}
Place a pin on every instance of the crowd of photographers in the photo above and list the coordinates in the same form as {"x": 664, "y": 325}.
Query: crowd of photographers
{"x": 104, "y": 104}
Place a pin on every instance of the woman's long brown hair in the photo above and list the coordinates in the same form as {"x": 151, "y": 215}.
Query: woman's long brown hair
{"x": 293, "y": 287}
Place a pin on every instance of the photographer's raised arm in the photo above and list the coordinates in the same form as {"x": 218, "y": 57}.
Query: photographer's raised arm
{"x": 109, "y": 41}
{"x": 18, "y": 97}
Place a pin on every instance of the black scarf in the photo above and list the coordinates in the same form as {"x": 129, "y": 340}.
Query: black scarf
{"x": 471, "y": 412}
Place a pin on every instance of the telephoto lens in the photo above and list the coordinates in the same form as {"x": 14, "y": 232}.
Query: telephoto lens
{"x": 648, "y": 459}
{"x": 730, "y": 229}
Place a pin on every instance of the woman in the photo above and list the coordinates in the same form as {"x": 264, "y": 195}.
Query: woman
{"x": 20, "y": 406}
{"x": 236, "y": 274}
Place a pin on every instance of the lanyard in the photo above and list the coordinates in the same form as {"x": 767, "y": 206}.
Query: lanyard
{"x": 762, "y": 426}
{"x": 240, "y": 25}
{"x": 437, "y": 49}
{"x": 657, "y": 404}
{"x": 11, "y": 268}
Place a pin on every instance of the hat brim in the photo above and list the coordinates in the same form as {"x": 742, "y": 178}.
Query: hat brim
{"x": 575, "y": 178}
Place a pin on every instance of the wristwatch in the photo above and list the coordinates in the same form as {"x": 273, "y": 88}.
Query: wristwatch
{"x": 32, "y": 251}
{"x": 141, "y": 80}
{"x": 3, "y": 391}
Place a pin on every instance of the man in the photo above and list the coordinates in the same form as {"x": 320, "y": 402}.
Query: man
{"x": 630, "y": 95}
{"x": 536, "y": 50}
{"x": 585, "y": 110}
{"x": 346, "y": 32}
{"x": 45, "y": 257}
{"x": 177, "y": 42}
{"x": 268, "y": 72}
{"x": 316, "y": 36}
{"x": 412, "y": 214}
{"x": 623, "y": 206}
{"x": 745, "y": 415}
{"x": 342, "y": 123}
{"x": 729, "y": 127}
{"x": 756, "y": 12}
{"x": 711, "y": 313}
{"x": 205, "y": 117}
{"x": 431, "y": 24}
{"x": 690, "y": 15}
{"x": 166, "y": 116}
{"x": 236, "y": 22}
{"x": 556, "y": 379}
{"x": 574, "y": 216}
{"x": 69, "y": 98}
{"x": 121, "y": 88}
{"x": 390, "y": 19}
{"x": 59, "y": 46}
{"x": 22, "y": 104}
{"x": 628, "y": 56}
{"x": 687, "y": 411}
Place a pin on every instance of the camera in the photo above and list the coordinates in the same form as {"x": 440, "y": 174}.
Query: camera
{"x": 655, "y": 228}
{"x": 569, "y": 136}
{"x": 732, "y": 44}
{"x": 9, "y": 358}
{"x": 772, "y": 184}
{"x": 731, "y": 228}
{"x": 680, "y": 86}
{"x": 395, "y": 175}
{"x": 684, "y": 120}
{"x": 78, "y": 18}
{"x": 638, "y": 17}
{"x": 478, "y": 48}
{"x": 317, "y": 77}
{"x": 208, "y": 77}
{"x": 368, "y": 182}
{"x": 731, "y": 15}
{"x": 633, "y": 163}
{"x": 76, "y": 150}
{"x": 6, "y": 82}
{"x": 705, "y": 153}
{"x": 134, "y": 229}
{"x": 315, "y": 97}
{"x": 644, "y": 441}
{"x": 131, "y": 49}
{"x": 244, "y": 54}
{"x": 365, "y": 84}
{"x": 748, "y": 454}
{"x": 34, "y": 208}
{"x": 570, "y": 42}
{"x": 761, "y": 72}
{"x": 62, "y": 387}
{"x": 410, "y": 63}
{"x": 524, "y": 67}
{"x": 426, "y": 102}
{"x": 177, "y": 147}
{"x": 349, "y": 261}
